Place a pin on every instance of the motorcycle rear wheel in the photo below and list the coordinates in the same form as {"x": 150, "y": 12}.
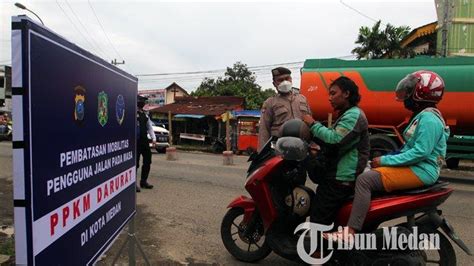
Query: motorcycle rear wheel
{"x": 232, "y": 230}
{"x": 445, "y": 256}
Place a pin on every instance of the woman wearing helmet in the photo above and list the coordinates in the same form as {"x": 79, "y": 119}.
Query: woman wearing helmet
{"x": 345, "y": 149}
{"x": 419, "y": 161}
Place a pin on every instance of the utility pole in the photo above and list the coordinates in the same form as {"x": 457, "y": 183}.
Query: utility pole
{"x": 444, "y": 32}
{"x": 115, "y": 62}
{"x": 170, "y": 128}
{"x": 227, "y": 132}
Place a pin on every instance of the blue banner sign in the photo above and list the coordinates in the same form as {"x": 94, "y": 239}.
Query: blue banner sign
{"x": 74, "y": 148}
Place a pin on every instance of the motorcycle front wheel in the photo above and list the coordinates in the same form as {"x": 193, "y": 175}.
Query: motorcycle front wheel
{"x": 245, "y": 244}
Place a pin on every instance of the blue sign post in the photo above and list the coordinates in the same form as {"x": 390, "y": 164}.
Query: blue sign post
{"x": 74, "y": 148}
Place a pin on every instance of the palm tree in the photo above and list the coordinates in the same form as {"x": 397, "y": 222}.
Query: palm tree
{"x": 375, "y": 43}
{"x": 370, "y": 41}
{"x": 394, "y": 36}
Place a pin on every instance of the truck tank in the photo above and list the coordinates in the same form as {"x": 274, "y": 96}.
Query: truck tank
{"x": 377, "y": 80}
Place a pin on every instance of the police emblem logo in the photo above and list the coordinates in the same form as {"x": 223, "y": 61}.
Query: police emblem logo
{"x": 79, "y": 107}
{"x": 120, "y": 109}
{"x": 102, "y": 112}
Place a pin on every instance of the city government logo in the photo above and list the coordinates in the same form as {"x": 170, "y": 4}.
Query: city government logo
{"x": 120, "y": 109}
{"x": 102, "y": 112}
{"x": 79, "y": 107}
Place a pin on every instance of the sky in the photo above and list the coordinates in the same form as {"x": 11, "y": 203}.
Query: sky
{"x": 156, "y": 37}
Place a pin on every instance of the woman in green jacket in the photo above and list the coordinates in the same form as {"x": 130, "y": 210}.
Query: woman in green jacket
{"x": 419, "y": 161}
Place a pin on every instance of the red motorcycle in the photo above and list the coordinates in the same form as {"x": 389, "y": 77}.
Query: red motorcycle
{"x": 255, "y": 226}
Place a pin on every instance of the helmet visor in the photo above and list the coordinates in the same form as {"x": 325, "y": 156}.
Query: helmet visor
{"x": 405, "y": 87}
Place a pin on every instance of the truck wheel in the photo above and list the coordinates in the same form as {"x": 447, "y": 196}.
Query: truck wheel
{"x": 452, "y": 163}
{"x": 380, "y": 145}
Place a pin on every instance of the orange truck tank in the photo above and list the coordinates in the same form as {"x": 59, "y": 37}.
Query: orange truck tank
{"x": 377, "y": 80}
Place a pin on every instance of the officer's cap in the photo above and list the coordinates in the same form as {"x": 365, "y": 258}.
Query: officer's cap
{"x": 141, "y": 99}
{"x": 280, "y": 71}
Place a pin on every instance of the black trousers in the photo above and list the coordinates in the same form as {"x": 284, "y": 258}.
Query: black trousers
{"x": 143, "y": 149}
{"x": 330, "y": 196}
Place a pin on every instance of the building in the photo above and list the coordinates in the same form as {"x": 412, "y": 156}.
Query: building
{"x": 5, "y": 89}
{"x": 460, "y": 26}
{"x": 197, "y": 118}
{"x": 422, "y": 39}
{"x": 161, "y": 97}
{"x": 156, "y": 98}
{"x": 428, "y": 39}
{"x": 173, "y": 91}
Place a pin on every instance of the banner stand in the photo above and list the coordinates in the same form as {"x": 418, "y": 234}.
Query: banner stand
{"x": 132, "y": 240}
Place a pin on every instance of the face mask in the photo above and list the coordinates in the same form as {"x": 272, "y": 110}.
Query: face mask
{"x": 285, "y": 86}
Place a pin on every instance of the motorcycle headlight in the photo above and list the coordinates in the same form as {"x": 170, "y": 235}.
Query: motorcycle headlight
{"x": 300, "y": 201}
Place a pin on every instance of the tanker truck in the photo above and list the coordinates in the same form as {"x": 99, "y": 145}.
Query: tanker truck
{"x": 387, "y": 118}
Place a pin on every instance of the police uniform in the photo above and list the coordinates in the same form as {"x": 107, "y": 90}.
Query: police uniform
{"x": 144, "y": 128}
{"x": 277, "y": 110}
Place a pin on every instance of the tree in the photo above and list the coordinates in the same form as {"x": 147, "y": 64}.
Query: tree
{"x": 239, "y": 81}
{"x": 394, "y": 47}
{"x": 375, "y": 43}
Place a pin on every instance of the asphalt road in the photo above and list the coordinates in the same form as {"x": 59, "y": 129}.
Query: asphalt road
{"x": 191, "y": 195}
{"x": 178, "y": 221}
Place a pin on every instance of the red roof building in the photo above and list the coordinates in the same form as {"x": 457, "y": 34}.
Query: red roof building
{"x": 205, "y": 106}
{"x": 198, "y": 118}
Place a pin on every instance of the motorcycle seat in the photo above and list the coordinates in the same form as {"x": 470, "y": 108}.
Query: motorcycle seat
{"x": 439, "y": 184}
{"x": 414, "y": 191}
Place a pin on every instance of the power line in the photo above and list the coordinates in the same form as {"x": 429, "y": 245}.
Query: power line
{"x": 360, "y": 13}
{"x": 214, "y": 71}
{"x": 258, "y": 75}
{"x": 220, "y": 71}
{"x": 261, "y": 73}
{"x": 77, "y": 29}
{"x": 85, "y": 29}
{"x": 103, "y": 30}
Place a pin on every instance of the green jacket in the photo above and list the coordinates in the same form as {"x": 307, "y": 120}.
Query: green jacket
{"x": 346, "y": 144}
{"x": 425, "y": 147}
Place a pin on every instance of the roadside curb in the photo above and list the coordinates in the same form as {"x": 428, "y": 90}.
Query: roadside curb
{"x": 197, "y": 151}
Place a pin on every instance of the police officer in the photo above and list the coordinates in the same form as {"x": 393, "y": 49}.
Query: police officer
{"x": 287, "y": 104}
{"x": 144, "y": 127}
